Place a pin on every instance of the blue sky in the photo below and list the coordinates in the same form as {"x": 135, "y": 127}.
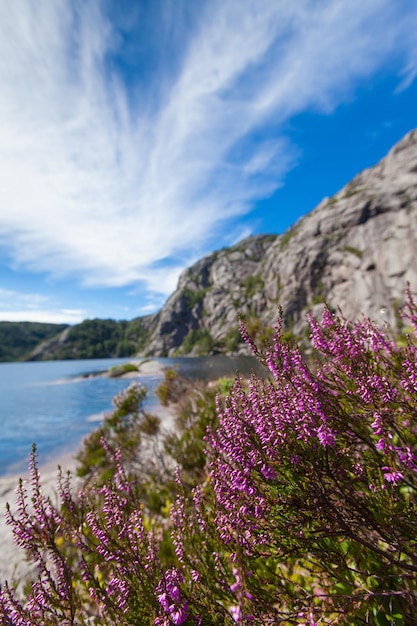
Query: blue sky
{"x": 138, "y": 136}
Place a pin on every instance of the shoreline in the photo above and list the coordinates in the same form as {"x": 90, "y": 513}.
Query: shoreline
{"x": 13, "y": 563}
{"x": 145, "y": 367}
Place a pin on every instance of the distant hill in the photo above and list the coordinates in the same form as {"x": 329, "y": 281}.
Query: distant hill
{"x": 95, "y": 339}
{"x": 356, "y": 250}
{"x": 18, "y": 339}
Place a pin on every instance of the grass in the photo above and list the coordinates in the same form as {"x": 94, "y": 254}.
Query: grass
{"x": 124, "y": 368}
{"x": 354, "y": 251}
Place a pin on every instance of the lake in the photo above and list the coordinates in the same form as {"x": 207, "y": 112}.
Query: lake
{"x": 53, "y": 404}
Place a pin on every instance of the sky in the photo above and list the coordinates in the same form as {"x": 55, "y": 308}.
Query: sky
{"x": 137, "y": 136}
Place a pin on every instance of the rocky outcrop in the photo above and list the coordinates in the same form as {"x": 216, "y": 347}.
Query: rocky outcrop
{"x": 201, "y": 315}
{"x": 356, "y": 250}
{"x": 48, "y": 349}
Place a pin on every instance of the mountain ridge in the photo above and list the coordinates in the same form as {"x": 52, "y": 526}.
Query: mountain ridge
{"x": 355, "y": 250}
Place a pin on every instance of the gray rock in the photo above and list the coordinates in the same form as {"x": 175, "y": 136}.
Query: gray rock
{"x": 355, "y": 250}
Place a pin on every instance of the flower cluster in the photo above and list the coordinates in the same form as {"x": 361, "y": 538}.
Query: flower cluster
{"x": 174, "y": 607}
{"x": 304, "y": 513}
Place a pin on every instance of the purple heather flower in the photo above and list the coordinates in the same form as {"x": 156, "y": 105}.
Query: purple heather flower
{"x": 195, "y": 576}
{"x": 268, "y": 472}
{"x": 180, "y": 615}
{"x": 163, "y": 601}
{"x": 381, "y": 445}
{"x": 325, "y": 436}
{"x": 236, "y": 613}
{"x": 392, "y": 476}
{"x": 169, "y": 598}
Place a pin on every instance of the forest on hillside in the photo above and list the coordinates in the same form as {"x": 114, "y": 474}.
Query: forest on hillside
{"x": 100, "y": 338}
{"x": 91, "y": 339}
{"x": 18, "y": 339}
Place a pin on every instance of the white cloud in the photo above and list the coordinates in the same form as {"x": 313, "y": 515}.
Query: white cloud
{"x": 16, "y": 306}
{"x": 66, "y": 316}
{"x": 102, "y": 184}
{"x": 32, "y": 300}
{"x": 148, "y": 309}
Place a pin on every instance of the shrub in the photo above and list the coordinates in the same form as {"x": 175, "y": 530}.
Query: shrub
{"x": 198, "y": 341}
{"x": 194, "y": 297}
{"x": 304, "y": 514}
{"x": 125, "y": 368}
{"x": 168, "y": 390}
{"x": 232, "y": 339}
{"x": 253, "y": 285}
{"x": 97, "y": 563}
{"x": 133, "y": 431}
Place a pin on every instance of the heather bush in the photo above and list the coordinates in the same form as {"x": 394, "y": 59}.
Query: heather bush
{"x": 299, "y": 510}
{"x": 312, "y": 483}
{"x": 97, "y": 555}
{"x": 136, "y": 433}
{"x": 194, "y": 406}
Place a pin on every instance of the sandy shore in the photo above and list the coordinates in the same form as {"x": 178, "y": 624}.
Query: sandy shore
{"x": 147, "y": 367}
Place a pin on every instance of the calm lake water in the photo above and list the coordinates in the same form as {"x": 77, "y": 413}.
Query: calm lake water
{"x": 50, "y": 403}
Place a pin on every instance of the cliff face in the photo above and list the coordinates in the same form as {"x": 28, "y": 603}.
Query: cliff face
{"x": 356, "y": 250}
{"x": 201, "y": 315}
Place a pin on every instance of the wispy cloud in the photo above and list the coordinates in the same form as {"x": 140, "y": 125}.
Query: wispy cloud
{"x": 121, "y": 180}
{"x": 45, "y": 316}
{"x": 16, "y": 306}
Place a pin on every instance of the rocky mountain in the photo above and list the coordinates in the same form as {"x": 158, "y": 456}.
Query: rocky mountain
{"x": 202, "y": 314}
{"x": 356, "y": 250}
